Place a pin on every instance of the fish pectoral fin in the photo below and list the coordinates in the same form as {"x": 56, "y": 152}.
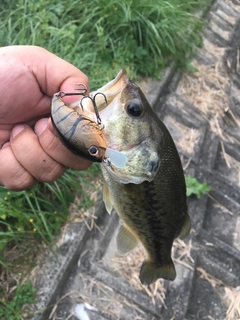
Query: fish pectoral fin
{"x": 185, "y": 228}
{"x": 107, "y": 198}
{"x": 126, "y": 240}
{"x": 150, "y": 272}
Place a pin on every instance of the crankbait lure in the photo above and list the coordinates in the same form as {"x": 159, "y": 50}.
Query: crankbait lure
{"x": 81, "y": 134}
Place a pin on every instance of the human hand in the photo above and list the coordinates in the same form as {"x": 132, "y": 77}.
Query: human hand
{"x": 29, "y": 149}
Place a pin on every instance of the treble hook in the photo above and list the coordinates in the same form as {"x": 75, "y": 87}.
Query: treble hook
{"x": 94, "y": 105}
{"x": 82, "y": 93}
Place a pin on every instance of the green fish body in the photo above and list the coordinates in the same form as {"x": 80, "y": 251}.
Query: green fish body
{"x": 144, "y": 180}
{"x": 152, "y": 204}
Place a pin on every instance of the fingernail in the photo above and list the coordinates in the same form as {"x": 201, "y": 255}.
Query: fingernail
{"x": 17, "y": 129}
{"x": 40, "y": 126}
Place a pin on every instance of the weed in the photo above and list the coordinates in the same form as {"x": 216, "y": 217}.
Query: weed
{"x": 195, "y": 187}
{"x": 13, "y": 309}
{"x": 41, "y": 211}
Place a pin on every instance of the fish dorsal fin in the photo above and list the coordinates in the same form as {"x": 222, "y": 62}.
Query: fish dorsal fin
{"x": 107, "y": 198}
{"x": 126, "y": 240}
{"x": 150, "y": 272}
{"x": 185, "y": 228}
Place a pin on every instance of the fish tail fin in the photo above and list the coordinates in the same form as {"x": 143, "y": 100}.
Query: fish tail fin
{"x": 150, "y": 272}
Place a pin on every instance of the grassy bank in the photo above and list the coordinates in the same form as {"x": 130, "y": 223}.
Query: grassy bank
{"x": 102, "y": 36}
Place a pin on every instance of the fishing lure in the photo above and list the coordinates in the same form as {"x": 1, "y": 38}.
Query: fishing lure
{"x": 78, "y": 132}
{"x": 81, "y": 134}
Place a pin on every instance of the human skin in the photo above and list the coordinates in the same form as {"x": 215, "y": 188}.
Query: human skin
{"x": 30, "y": 151}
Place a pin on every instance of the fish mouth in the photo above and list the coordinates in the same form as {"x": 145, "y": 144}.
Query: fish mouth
{"x": 107, "y": 93}
{"x": 110, "y": 90}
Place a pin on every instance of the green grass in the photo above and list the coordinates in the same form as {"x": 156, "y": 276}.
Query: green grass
{"x": 37, "y": 214}
{"x": 13, "y": 310}
{"x": 102, "y": 36}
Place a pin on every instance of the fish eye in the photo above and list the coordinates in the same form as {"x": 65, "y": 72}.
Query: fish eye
{"x": 93, "y": 150}
{"x": 135, "y": 109}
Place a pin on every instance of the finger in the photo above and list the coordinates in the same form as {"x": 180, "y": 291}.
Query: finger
{"x": 12, "y": 174}
{"x": 45, "y": 72}
{"x": 4, "y": 136}
{"x": 53, "y": 73}
{"x": 54, "y": 147}
{"x": 29, "y": 153}
{"x": 61, "y": 75}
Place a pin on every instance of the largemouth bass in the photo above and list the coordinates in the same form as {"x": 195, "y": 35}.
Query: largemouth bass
{"x": 148, "y": 192}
